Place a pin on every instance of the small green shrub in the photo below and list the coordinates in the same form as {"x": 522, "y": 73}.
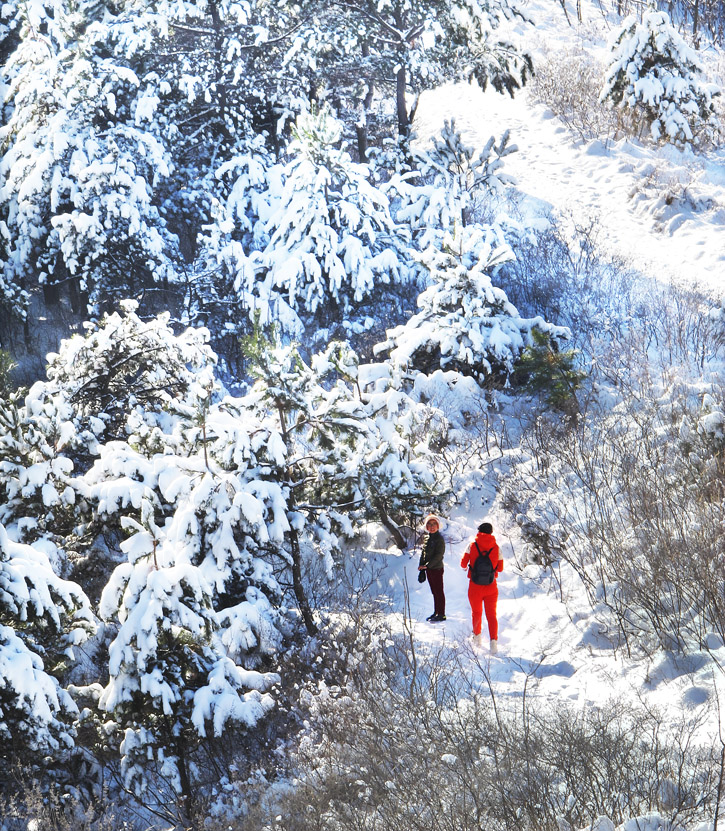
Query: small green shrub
{"x": 543, "y": 368}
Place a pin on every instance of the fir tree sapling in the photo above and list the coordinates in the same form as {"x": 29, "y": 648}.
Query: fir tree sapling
{"x": 655, "y": 74}
{"x": 450, "y": 187}
{"x": 551, "y": 371}
{"x": 465, "y": 322}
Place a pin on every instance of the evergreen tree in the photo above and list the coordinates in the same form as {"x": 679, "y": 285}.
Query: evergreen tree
{"x": 331, "y": 238}
{"x": 452, "y": 183}
{"x": 352, "y": 455}
{"x": 80, "y": 171}
{"x": 551, "y": 371}
{"x": 655, "y": 74}
{"x": 42, "y": 619}
{"x": 124, "y": 363}
{"x": 465, "y": 322}
{"x": 171, "y": 682}
{"x": 116, "y": 122}
{"x": 38, "y": 498}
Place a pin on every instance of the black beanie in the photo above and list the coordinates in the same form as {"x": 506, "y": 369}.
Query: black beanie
{"x": 485, "y": 528}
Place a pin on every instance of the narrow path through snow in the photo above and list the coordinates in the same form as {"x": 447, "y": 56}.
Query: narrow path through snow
{"x": 662, "y": 210}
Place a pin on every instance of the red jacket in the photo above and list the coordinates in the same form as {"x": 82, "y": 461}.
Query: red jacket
{"x": 485, "y": 542}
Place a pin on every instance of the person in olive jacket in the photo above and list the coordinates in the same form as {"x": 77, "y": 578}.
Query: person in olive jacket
{"x": 431, "y": 561}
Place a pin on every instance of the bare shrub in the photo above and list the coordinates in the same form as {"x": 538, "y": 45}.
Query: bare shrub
{"x": 632, "y": 500}
{"x": 61, "y": 809}
{"x": 394, "y": 750}
{"x": 629, "y": 493}
{"x": 569, "y": 84}
{"x": 613, "y": 311}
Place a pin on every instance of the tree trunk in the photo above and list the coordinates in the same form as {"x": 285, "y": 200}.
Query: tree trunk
{"x": 297, "y": 584}
{"x": 186, "y": 800}
{"x": 390, "y": 525}
{"x": 696, "y": 23}
{"x": 299, "y": 589}
{"x": 361, "y": 129}
{"x": 403, "y": 122}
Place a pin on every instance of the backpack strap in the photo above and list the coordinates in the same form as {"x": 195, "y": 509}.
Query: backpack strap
{"x": 483, "y": 553}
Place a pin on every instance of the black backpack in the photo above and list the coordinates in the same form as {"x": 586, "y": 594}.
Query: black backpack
{"x": 482, "y": 570}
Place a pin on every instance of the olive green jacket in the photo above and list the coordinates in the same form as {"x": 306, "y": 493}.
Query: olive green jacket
{"x": 434, "y": 547}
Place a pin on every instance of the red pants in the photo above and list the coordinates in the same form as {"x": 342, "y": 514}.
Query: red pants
{"x": 480, "y": 598}
{"x": 435, "y": 581}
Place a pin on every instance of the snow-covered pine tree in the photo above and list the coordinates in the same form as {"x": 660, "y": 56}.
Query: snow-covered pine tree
{"x": 38, "y": 499}
{"x": 465, "y": 322}
{"x": 657, "y": 76}
{"x": 218, "y": 294}
{"x": 331, "y": 238}
{"x": 115, "y": 123}
{"x": 195, "y": 482}
{"x": 80, "y": 170}
{"x": 171, "y": 682}
{"x": 165, "y": 433}
{"x": 449, "y": 187}
{"x": 370, "y": 49}
{"x": 352, "y": 456}
{"x": 42, "y": 619}
{"x": 123, "y": 363}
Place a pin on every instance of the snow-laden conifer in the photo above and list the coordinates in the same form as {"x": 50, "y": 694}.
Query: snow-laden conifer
{"x": 354, "y": 454}
{"x": 42, "y": 619}
{"x": 655, "y": 74}
{"x": 123, "y": 362}
{"x": 80, "y": 172}
{"x": 465, "y": 322}
{"x": 195, "y": 486}
{"x": 331, "y": 238}
{"x": 171, "y": 681}
{"x": 450, "y": 186}
{"x": 38, "y": 499}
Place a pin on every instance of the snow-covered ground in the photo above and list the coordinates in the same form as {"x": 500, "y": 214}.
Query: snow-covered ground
{"x": 661, "y": 209}
{"x": 551, "y": 649}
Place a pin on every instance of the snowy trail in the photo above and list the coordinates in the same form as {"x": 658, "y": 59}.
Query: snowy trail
{"x": 549, "y": 648}
{"x": 626, "y": 188}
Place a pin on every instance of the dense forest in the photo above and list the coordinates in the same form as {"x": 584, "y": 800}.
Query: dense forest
{"x": 252, "y": 329}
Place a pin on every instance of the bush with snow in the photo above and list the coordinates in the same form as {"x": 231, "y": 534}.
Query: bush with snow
{"x": 658, "y": 76}
{"x": 465, "y": 322}
{"x": 331, "y": 239}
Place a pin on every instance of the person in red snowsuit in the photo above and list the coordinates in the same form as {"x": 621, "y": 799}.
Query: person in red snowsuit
{"x": 484, "y": 597}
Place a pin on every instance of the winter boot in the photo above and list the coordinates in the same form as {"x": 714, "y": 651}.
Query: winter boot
{"x": 494, "y": 647}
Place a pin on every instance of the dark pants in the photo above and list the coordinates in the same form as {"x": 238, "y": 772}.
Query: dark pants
{"x": 435, "y": 581}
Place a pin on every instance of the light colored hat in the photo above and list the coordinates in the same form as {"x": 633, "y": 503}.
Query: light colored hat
{"x": 432, "y": 517}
